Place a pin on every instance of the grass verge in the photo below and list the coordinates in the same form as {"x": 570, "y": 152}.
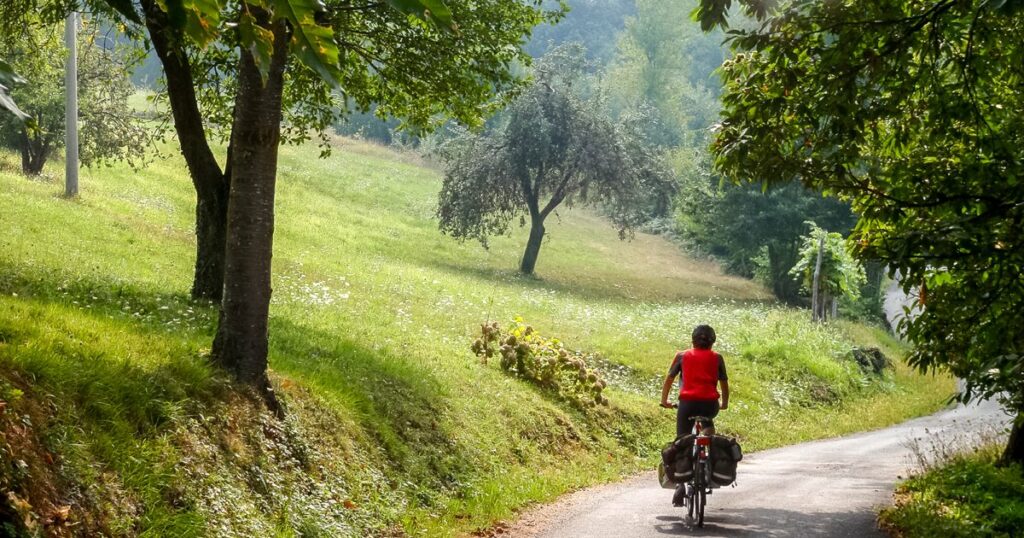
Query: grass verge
{"x": 964, "y": 496}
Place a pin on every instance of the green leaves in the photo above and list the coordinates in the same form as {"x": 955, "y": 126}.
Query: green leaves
{"x": 8, "y": 78}
{"x": 258, "y": 40}
{"x": 434, "y": 11}
{"x": 313, "y": 44}
{"x": 199, "y": 19}
{"x": 914, "y": 112}
{"x": 714, "y": 13}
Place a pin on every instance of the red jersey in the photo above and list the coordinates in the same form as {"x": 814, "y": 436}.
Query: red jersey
{"x": 701, "y": 370}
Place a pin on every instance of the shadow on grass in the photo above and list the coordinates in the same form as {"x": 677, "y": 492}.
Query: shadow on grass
{"x": 57, "y": 331}
{"x": 56, "y": 324}
{"x": 80, "y": 357}
{"x": 577, "y": 289}
{"x": 583, "y": 290}
{"x": 399, "y": 402}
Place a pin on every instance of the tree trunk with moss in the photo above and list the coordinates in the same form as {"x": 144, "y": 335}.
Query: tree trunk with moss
{"x": 241, "y": 343}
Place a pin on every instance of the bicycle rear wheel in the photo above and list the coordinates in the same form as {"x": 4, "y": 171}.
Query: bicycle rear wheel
{"x": 690, "y": 499}
{"x": 701, "y": 500}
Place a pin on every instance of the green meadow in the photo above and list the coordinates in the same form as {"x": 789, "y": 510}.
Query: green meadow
{"x": 394, "y": 427}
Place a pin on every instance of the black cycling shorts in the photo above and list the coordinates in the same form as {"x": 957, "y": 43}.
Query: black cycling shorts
{"x": 694, "y": 408}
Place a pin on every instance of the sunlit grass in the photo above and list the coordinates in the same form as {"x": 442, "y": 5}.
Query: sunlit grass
{"x": 371, "y": 321}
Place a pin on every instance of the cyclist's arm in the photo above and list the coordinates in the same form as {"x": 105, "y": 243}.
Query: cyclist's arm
{"x": 670, "y": 378}
{"x": 723, "y": 380}
{"x": 665, "y": 389}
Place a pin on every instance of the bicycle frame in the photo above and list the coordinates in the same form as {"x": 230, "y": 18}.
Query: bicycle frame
{"x": 698, "y": 485}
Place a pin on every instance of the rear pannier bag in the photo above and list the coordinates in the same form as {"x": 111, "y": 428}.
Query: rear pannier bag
{"x": 725, "y": 454}
{"x": 676, "y": 462}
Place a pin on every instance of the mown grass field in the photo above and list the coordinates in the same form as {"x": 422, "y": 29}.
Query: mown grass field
{"x": 394, "y": 426}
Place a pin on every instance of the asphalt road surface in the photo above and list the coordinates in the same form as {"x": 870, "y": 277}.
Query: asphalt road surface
{"x": 822, "y": 488}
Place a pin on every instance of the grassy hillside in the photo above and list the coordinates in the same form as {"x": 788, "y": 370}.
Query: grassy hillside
{"x": 114, "y": 422}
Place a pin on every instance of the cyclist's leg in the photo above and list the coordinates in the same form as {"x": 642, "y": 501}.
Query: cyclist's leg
{"x": 684, "y": 424}
{"x": 708, "y": 409}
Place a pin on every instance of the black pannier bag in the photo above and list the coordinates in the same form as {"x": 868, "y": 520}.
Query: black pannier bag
{"x": 725, "y": 454}
{"x": 676, "y": 464}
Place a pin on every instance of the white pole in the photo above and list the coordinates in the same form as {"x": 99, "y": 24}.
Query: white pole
{"x": 817, "y": 305}
{"x": 71, "y": 107}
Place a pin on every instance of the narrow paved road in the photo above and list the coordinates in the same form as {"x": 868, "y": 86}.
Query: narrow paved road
{"x": 822, "y": 488}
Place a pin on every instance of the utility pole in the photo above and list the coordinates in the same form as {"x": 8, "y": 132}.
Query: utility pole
{"x": 817, "y": 305}
{"x": 71, "y": 107}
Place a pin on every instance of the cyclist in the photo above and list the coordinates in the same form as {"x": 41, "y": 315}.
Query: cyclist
{"x": 702, "y": 370}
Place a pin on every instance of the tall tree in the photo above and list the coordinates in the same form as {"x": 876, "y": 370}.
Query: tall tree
{"x": 109, "y": 128}
{"x": 385, "y": 60}
{"x": 915, "y": 113}
{"x": 408, "y": 54}
{"x": 665, "y": 64}
{"x": 555, "y": 148}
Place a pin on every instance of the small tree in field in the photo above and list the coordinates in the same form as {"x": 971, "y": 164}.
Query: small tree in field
{"x": 839, "y": 274}
{"x": 109, "y": 129}
{"x": 555, "y": 148}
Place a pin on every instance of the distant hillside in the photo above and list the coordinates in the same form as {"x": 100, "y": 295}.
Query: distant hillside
{"x": 111, "y": 420}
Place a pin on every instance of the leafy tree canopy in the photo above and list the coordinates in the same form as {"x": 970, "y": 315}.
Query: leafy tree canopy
{"x": 913, "y": 112}
{"x": 554, "y": 148}
{"x": 419, "y": 73}
{"x": 665, "y": 63}
{"x": 841, "y": 275}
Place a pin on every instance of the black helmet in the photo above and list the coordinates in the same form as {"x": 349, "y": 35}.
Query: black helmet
{"x": 703, "y": 336}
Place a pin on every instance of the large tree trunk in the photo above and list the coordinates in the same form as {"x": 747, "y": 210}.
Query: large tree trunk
{"x": 1014, "y": 452}
{"x": 210, "y": 182}
{"x": 533, "y": 246}
{"x": 211, "y": 238}
{"x": 241, "y": 342}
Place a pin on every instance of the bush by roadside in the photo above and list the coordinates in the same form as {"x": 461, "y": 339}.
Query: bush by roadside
{"x": 966, "y": 495}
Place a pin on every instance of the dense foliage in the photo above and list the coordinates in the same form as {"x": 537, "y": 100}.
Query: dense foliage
{"x": 555, "y": 148}
{"x": 108, "y": 128}
{"x": 664, "y": 63}
{"x": 913, "y": 113}
{"x": 524, "y": 353}
{"x": 757, "y": 232}
{"x": 413, "y": 74}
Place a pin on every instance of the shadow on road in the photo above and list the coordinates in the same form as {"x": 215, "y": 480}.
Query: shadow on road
{"x": 768, "y": 522}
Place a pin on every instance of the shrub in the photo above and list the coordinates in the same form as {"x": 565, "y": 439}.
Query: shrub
{"x": 525, "y": 354}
